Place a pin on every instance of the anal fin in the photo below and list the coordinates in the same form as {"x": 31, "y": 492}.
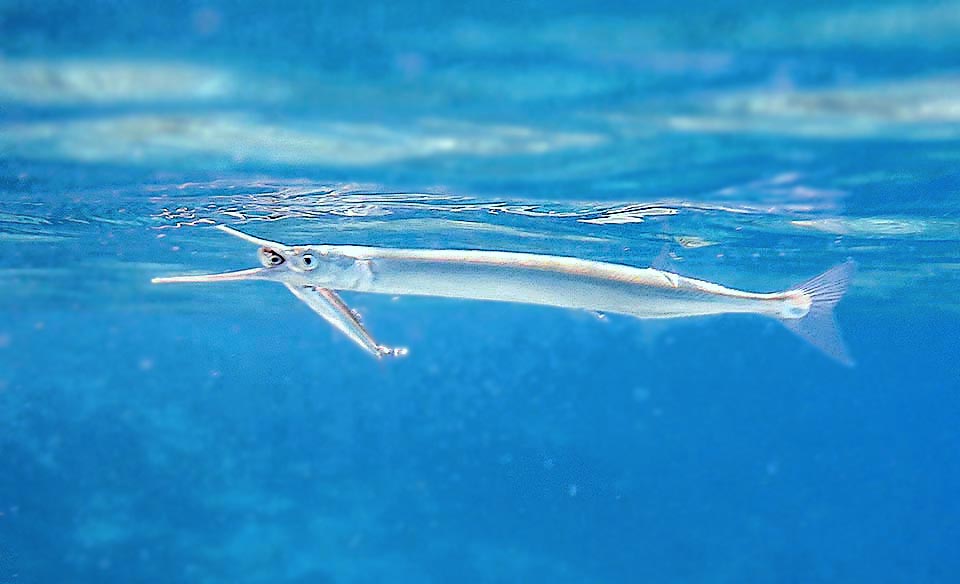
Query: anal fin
{"x": 334, "y": 310}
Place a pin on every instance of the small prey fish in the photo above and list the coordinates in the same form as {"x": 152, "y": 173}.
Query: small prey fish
{"x": 314, "y": 274}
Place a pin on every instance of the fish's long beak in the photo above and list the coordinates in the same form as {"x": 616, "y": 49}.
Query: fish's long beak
{"x": 251, "y": 274}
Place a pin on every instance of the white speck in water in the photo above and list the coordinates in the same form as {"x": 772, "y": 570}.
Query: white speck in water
{"x": 572, "y": 490}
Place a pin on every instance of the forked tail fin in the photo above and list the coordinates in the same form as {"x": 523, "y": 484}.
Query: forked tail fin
{"x": 819, "y": 327}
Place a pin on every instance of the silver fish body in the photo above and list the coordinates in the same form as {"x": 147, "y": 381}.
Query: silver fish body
{"x": 542, "y": 279}
{"x": 313, "y": 273}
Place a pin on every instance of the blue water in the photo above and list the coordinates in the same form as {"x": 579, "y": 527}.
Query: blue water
{"x": 224, "y": 433}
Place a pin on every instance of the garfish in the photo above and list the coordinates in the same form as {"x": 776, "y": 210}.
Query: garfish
{"x": 315, "y": 273}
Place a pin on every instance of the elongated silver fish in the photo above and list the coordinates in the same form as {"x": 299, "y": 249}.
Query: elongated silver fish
{"x": 313, "y": 273}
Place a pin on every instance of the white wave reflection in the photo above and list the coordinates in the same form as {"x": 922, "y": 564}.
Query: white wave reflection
{"x": 918, "y": 109}
{"x": 885, "y": 227}
{"x": 241, "y": 138}
{"x": 101, "y": 81}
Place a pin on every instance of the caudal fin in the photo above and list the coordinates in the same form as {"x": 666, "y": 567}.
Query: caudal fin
{"x": 819, "y": 327}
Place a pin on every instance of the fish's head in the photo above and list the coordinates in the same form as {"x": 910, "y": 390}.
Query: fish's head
{"x": 278, "y": 262}
{"x": 313, "y": 265}
{"x": 324, "y": 266}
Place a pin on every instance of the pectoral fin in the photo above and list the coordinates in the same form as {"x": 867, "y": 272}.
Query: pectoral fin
{"x": 334, "y": 310}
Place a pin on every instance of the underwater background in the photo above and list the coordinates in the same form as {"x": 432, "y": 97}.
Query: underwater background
{"x": 226, "y": 434}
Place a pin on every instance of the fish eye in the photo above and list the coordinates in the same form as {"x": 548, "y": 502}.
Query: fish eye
{"x": 270, "y": 258}
{"x": 307, "y": 261}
